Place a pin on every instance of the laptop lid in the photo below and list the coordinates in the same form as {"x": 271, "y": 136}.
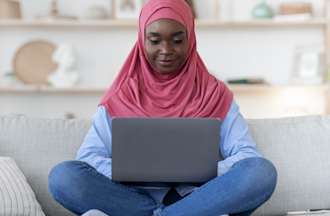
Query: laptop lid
{"x": 165, "y": 150}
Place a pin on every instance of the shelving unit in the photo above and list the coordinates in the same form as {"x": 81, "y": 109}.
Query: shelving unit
{"x": 51, "y": 90}
{"x": 96, "y": 92}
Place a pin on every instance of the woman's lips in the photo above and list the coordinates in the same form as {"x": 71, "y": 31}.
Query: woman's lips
{"x": 166, "y": 63}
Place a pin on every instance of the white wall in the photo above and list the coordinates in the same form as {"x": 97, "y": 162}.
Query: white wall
{"x": 228, "y": 52}
{"x": 262, "y": 104}
{"x": 49, "y": 105}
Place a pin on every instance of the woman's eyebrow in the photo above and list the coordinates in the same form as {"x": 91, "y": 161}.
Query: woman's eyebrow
{"x": 178, "y": 33}
{"x": 156, "y": 34}
{"x": 153, "y": 34}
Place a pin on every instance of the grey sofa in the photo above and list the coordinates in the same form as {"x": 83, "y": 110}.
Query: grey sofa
{"x": 299, "y": 148}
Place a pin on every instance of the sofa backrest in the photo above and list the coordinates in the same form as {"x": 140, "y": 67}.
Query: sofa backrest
{"x": 299, "y": 148}
{"x": 37, "y": 145}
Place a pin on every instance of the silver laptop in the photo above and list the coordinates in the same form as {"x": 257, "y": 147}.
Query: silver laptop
{"x": 153, "y": 151}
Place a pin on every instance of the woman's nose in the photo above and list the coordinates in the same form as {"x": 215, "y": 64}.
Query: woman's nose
{"x": 166, "y": 48}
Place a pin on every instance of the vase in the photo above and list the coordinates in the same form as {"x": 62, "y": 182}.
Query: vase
{"x": 262, "y": 11}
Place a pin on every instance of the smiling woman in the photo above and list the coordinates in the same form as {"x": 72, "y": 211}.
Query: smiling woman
{"x": 165, "y": 77}
{"x": 166, "y": 45}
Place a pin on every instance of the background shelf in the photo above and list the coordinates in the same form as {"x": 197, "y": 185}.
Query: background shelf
{"x": 133, "y": 24}
{"x": 98, "y": 90}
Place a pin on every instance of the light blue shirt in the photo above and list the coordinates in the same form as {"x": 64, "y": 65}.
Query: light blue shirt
{"x": 236, "y": 144}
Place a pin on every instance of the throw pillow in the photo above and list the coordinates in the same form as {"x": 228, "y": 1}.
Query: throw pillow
{"x": 16, "y": 195}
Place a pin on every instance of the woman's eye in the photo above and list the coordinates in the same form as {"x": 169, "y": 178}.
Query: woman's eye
{"x": 154, "y": 42}
{"x": 178, "y": 41}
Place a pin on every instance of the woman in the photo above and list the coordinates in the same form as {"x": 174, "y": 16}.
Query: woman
{"x": 165, "y": 77}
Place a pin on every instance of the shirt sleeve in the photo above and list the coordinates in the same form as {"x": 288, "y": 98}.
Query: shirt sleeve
{"x": 236, "y": 141}
{"x": 96, "y": 147}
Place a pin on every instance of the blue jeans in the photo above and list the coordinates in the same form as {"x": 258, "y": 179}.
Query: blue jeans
{"x": 247, "y": 185}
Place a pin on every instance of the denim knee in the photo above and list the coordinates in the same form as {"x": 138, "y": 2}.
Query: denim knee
{"x": 61, "y": 178}
{"x": 264, "y": 173}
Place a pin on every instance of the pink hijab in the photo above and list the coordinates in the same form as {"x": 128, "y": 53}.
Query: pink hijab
{"x": 139, "y": 91}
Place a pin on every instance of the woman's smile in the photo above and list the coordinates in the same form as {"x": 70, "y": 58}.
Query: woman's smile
{"x": 166, "y": 62}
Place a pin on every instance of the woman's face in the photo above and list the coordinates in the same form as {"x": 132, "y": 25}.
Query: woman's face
{"x": 166, "y": 45}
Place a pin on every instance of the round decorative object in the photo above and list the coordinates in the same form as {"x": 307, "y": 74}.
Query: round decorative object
{"x": 33, "y": 62}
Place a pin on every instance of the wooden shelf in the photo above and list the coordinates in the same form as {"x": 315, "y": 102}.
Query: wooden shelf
{"x": 45, "y": 89}
{"x": 67, "y": 23}
{"x": 133, "y": 23}
{"x": 100, "y": 90}
{"x": 262, "y": 23}
{"x": 271, "y": 88}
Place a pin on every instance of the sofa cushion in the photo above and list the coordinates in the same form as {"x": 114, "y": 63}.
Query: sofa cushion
{"x": 37, "y": 145}
{"x": 16, "y": 195}
{"x": 300, "y": 149}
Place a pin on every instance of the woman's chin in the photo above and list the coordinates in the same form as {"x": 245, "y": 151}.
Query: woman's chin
{"x": 167, "y": 70}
